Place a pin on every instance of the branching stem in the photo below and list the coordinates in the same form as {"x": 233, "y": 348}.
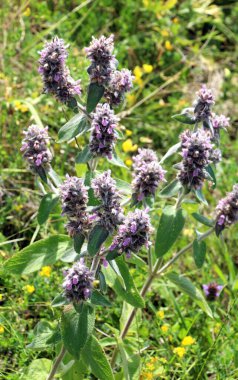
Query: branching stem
{"x": 57, "y": 363}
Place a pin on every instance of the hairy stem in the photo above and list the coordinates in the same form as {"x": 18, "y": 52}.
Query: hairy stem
{"x": 57, "y": 363}
{"x": 157, "y": 271}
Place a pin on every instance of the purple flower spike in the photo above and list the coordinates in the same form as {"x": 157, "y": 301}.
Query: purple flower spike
{"x": 120, "y": 83}
{"x": 55, "y": 74}
{"x": 203, "y": 104}
{"x": 80, "y": 290}
{"x": 34, "y": 148}
{"x": 227, "y": 210}
{"x": 103, "y": 134}
{"x": 109, "y": 214}
{"x": 219, "y": 122}
{"x": 74, "y": 198}
{"x": 212, "y": 291}
{"x": 134, "y": 233}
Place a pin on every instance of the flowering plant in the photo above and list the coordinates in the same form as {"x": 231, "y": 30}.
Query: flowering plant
{"x": 109, "y": 220}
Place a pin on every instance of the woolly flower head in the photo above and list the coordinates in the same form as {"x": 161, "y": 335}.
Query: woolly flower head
{"x": 34, "y": 148}
{"x": 55, "y": 74}
{"x": 196, "y": 152}
{"x": 144, "y": 156}
{"x": 74, "y": 198}
{"x": 134, "y": 233}
{"x": 212, "y": 291}
{"x": 103, "y": 135}
{"x": 110, "y": 213}
{"x": 205, "y": 100}
{"x": 227, "y": 210}
{"x": 219, "y": 122}
{"x": 103, "y": 62}
{"x": 78, "y": 282}
{"x": 120, "y": 83}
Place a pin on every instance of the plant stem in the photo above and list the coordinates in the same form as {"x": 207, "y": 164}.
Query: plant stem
{"x": 155, "y": 273}
{"x": 57, "y": 363}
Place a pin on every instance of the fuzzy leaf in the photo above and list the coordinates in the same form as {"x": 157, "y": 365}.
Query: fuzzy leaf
{"x": 38, "y": 369}
{"x": 199, "y": 252}
{"x": 78, "y": 242}
{"x": 116, "y": 160}
{"x": 96, "y": 238}
{"x": 74, "y": 127}
{"x": 200, "y": 196}
{"x": 84, "y": 156}
{"x": 171, "y": 189}
{"x": 202, "y": 219}
{"x": 47, "y": 204}
{"x": 184, "y": 118}
{"x": 59, "y": 300}
{"x": 42, "y": 333}
{"x": 171, "y": 151}
{"x": 98, "y": 299}
{"x": 95, "y": 93}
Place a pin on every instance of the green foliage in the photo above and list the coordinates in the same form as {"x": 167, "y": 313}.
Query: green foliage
{"x": 47, "y": 204}
{"x": 199, "y": 252}
{"x": 95, "y": 93}
{"x": 96, "y": 238}
{"x": 74, "y": 127}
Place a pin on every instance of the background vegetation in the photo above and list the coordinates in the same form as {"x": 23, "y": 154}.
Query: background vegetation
{"x": 172, "y": 47}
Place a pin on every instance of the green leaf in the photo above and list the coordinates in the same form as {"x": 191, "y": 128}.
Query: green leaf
{"x": 199, "y": 252}
{"x": 116, "y": 160}
{"x": 41, "y": 253}
{"x": 43, "y": 332}
{"x": 92, "y": 200}
{"x": 102, "y": 282}
{"x": 184, "y": 118}
{"x": 95, "y": 357}
{"x": 171, "y": 151}
{"x": 77, "y": 328}
{"x": 212, "y": 175}
{"x": 72, "y": 104}
{"x": 171, "y": 224}
{"x": 54, "y": 176}
{"x": 96, "y": 238}
{"x": 47, "y": 204}
{"x": 78, "y": 242}
{"x": 59, "y": 300}
{"x": 73, "y": 370}
{"x": 41, "y": 173}
{"x": 171, "y": 189}
{"x": 74, "y": 127}
{"x": 84, "y": 156}
{"x": 95, "y": 93}
{"x": 202, "y": 219}
{"x": 98, "y": 299}
{"x": 200, "y": 196}
{"x": 38, "y": 369}
{"x": 112, "y": 255}
{"x": 187, "y": 287}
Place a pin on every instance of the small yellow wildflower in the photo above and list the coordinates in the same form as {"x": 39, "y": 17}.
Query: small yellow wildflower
{"x": 138, "y": 72}
{"x": 164, "y": 33}
{"x": 164, "y": 328}
{"x": 147, "y": 68}
{"x": 128, "y": 132}
{"x": 45, "y": 271}
{"x": 145, "y": 140}
{"x": 168, "y": 45}
{"x": 160, "y": 314}
{"x": 217, "y": 328}
{"x": 1, "y": 297}
{"x": 20, "y": 107}
{"x": 163, "y": 360}
{"x": 150, "y": 366}
{"x": 146, "y": 3}
{"x": 2, "y": 329}
{"x": 175, "y": 20}
{"x": 27, "y": 12}
{"x": 170, "y": 338}
{"x": 128, "y": 162}
{"x": 154, "y": 359}
{"x": 139, "y": 81}
{"x": 180, "y": 351}
{"x": 128, "y": 146}
{"x": 188, "y": 232}
{"x": 147, "y": 375}
{"x": 96, "y": 283}
{"x": 188, "y": 341}
{"x": 29, "y": 288}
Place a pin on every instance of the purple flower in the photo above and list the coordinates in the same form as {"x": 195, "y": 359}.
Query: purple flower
{"x": 103, "y": 135}
{"x": 34, "y": 148}
{"x": 109, "y": 214}
{"x": 202, "y": 106}
{"x": 120, "y": 83}
{"x": 74, "y": 198}
{"x": 227, "y": 210}
{"x": 78, "y": 282}
{"x": 144, "y": 156}
{"x": 103, "y": 62}
{"x": 196, "y": 152}
{"x": 219, "y": 122}
{"x": 216, "y": 156}
{"x": 212, "y": 291}
{"x": 134, "y": 233}
{"x": 55, "y": 73}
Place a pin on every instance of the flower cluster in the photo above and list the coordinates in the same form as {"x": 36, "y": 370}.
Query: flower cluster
{"x": 55, "y": 73}
{"x": 134, "y": 233}
{"x": 103, "y": 135}
{"x": 202, "y": 106}
{"x": 227, "y": 210}
{"x": 74, "y": 198}
{"x": 212, "y": 291}
{"x": 103, "y": 62}
{"x": 196, "y": 152}
{"x": 120, "y": 83}
{"x": 219, "y": 122}
{"x": 78, "y": 282}
{"x": 34, "y": 148}
{"x": 147, "y": 174}
{"x": 110, "y": 213}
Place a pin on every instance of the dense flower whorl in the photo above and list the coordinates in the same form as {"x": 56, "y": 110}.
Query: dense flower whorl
{"x": 202, "y": 106}
{"x": 227, "y": 210}
{"x": 103, "y": 135}
{"x": 78, "y": 282}
{"x": 55, "y": 73}
{"x": 196, "y": 152}
{"x": 103, "y": 62}
{"x": 34, "y": 148}
{"x": 134, "y": 233}
{"x": 74, "y": 198}
{"x": 144, "y": 156}
{"x": 120, "y": 83}
{"x": 110, "y": 213}
{"x": 212, "y": 291}
{"x": 219, "y": 122}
